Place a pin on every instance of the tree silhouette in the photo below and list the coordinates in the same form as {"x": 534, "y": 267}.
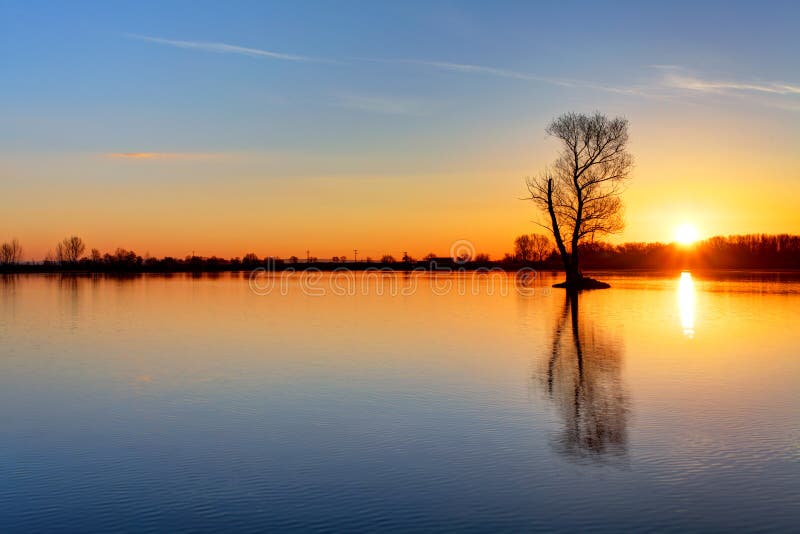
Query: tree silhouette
{"x": 10, "y": 252}
{"x": 251, "y": 258}
{"x": 533, "y": 247}
{"x": 70, "y": 249}
{"x": 580, "y": 193}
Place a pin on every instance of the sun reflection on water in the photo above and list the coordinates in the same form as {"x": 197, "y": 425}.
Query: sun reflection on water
{"x": 686, "y": 303}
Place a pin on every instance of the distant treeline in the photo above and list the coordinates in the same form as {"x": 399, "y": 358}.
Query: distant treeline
{"x": 756, "y": 251}
{"x": 752, "y": 251}
{"x": 124, "y": 261}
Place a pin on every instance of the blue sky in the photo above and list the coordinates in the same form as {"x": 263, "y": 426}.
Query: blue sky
{"x": 78, "y": 60}
{"x": 426, "y": 90}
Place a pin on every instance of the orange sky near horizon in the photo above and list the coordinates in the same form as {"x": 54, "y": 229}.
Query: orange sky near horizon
{"x": 719, "y": 174}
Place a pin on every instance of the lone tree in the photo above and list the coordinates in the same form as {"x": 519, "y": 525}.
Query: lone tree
{"x": 10, "y": 252}
{"x": 70, "y": 249}
{"x": 580, "y": 193}
{"x": 533, "y": 247}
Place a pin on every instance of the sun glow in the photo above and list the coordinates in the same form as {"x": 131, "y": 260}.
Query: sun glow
{"x": 686, "y": 234}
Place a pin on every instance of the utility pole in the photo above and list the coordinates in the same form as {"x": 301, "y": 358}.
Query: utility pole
{"x": 308, "y": 256}
{"x": 355, "y": 255}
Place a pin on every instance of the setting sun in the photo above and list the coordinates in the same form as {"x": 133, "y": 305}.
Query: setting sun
{"x": 686, "y": 234}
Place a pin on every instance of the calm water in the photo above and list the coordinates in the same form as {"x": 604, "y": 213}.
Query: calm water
{"x": 192, "y": 403}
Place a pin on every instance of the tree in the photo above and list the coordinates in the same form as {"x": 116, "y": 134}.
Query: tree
{"x": 251, "y": 258}
{"x": 387, "y": 258}
{"x": 124, "y": 257}
{"x": 542, "y": 247}
{"x": 580, "y": 193}
{"x": 532, "y": 247}
{"x": 523, "y": 249}
{"x": 11, "y": 252}
{"x": 70, "y": 249}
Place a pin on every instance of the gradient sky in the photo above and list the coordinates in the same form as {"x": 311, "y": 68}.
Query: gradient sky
{"x": 224, "y": 128}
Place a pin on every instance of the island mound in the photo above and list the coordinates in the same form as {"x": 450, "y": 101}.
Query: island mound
{"x": 583, "y": 283}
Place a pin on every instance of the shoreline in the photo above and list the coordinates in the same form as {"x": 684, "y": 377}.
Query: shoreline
{"x": 383, "y": 267}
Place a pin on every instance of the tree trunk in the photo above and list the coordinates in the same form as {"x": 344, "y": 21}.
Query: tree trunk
{"x": 574, "y": 274}
{"x": 575, "y": 280}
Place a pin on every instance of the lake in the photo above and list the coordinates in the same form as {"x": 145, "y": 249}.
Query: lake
{"x": 477, "y": 402}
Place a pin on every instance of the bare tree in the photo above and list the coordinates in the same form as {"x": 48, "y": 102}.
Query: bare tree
{"x": 580, "y": 193}
{"x": 542, "y": 247}
{"x": 10, "y": 252}
{"x": 533, "y": 247}
{"x": 251, "y": 258}
{"x": 70, "y": 249}
{"x": 523, "y": 249}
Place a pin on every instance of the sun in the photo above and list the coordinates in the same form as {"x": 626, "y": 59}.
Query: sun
{"x": 686, "y": 234}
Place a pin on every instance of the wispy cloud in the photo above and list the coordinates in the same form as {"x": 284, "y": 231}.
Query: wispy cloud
{"x": 466, "y": 68}
{"x": 673, "y": 81}
{"x": 777, "y": 94}
{"x": 720, "y": 86}
{"x": 484, "y": 70}
{"x": 471, "y": 69}
{"x": 163, "y": 155}
{"x": 380, "y": 104}
{"x": 224, "y": 48}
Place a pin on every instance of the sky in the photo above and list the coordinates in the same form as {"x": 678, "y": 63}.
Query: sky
{"x": 222, "y": 128}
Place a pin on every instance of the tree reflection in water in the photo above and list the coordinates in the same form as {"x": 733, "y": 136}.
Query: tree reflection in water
{"x": 583, "y": 379}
